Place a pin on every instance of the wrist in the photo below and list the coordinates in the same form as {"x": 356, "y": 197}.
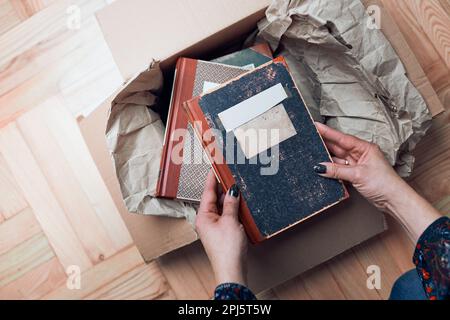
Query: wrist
{"x": 231, "y": 276}
{"x": 412, "y": 211}
{"x": 398, "y": 195}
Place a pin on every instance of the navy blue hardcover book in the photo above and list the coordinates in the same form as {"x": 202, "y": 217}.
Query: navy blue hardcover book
{"x": 260, "y": 136}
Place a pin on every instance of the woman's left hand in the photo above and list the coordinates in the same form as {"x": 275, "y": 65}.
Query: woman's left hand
{"x": 221, "y": 233}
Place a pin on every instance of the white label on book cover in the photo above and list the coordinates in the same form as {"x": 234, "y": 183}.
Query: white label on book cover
{"x": 207, "y": 86}
{"x": 249, "y": 67}
{"x": 265, "y": 131}
{"x": 253, "y": 107}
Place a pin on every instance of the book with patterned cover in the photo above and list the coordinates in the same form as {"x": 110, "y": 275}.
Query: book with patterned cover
{"x": 184, "y": 165}
{"x": 274, "y": 173}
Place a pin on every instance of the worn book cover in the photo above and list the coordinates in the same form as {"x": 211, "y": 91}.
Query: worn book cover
{"x": 249, "y": 58}
{"x": 260, "y": 136}
{"x": 184, "y": 165}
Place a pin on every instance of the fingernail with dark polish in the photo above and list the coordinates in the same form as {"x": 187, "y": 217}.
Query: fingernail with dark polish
{"x": 320, "y": 169}
{"x": 234, "y": 191}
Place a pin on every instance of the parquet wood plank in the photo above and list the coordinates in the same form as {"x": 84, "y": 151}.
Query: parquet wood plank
{"x": 74, "y": 179}
{"x": 417, "y": 27}
{"x": 399, "y": 245}
{"x": 445, "y": 4}
{"x": 374, "y": 252}
{"x": 66, "y": 131}
{"x": 18, "y": 229}
{"x": 41, "y": 199}
{"x": 413, "y": 69}
{"x": 293, "y": 289}
{"x": 182, "y": 277}
{"x": 412, "y": 31}
{"x": 23, "y": 258}
{"x": 100, "y": 275}
{"x": 63, "y": 62}
{"x": 439, "y": 78}
{"x": 35, "y": 283}
{"x": 443, "y": 205}
{"x": 8, "y": 16}
{"x": 431, "y": 172}
{"x": 12, "y": 200}
{"x": 320, "y": 284}
{"x": 351, "y": 277}
{"x": 66, "y": 188}
{"x": 27, "y": 8}
{"x": 267, "y": 295}
{"x": 198, "y": 260}
{"x": 41, "y": 26}
{"x": 145, "y": 282}
{"x": 436, "y": 24}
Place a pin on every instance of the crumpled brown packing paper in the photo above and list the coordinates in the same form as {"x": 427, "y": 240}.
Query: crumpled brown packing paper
{"x": 349, "y": 74}
{"x": 135, "y": 136}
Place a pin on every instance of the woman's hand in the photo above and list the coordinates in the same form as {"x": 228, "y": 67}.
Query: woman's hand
{"x": 222, "y": 234}
{"x": 363, "y": 165}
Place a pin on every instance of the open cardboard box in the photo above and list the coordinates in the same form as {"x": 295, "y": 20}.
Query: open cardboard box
{"x": 138, "y": 31}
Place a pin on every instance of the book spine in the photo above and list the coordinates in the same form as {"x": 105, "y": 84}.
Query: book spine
{"x": 169, "y": 173}
{"x": 263, "y": 48}
{"x": 197, "y": 119}
{"x": 165, "y": 156}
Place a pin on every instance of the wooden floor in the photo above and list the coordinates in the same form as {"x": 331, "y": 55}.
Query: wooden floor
{"x": 49, "y": 75}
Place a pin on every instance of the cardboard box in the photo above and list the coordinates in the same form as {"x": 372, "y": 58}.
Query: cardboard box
{"x": 270, "y": 263}
{"x": 138, "y": 31}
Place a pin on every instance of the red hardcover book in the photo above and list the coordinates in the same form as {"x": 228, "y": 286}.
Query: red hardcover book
{"x": 184, "y": 165}
{"x": 267, "y": 101}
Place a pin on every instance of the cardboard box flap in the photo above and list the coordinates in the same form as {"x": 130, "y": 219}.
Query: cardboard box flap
{"x": 138, "y": 31}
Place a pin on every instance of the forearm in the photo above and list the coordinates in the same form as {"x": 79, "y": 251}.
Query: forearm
{"x": 413, "y": 212}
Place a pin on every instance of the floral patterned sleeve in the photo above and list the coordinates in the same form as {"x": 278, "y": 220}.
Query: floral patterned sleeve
{"x": 233, "y": 291}
{"x": 431, "y": 258}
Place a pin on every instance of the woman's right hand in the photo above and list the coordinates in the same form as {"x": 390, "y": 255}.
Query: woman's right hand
{"x": 362, "y": 164}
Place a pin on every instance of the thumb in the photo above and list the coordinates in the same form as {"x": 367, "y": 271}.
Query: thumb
{"x": 231, "y": 202}
{"x": 336, "y": 171}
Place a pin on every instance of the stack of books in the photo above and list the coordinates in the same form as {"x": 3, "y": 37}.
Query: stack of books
{"x": 242, "y": 116}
